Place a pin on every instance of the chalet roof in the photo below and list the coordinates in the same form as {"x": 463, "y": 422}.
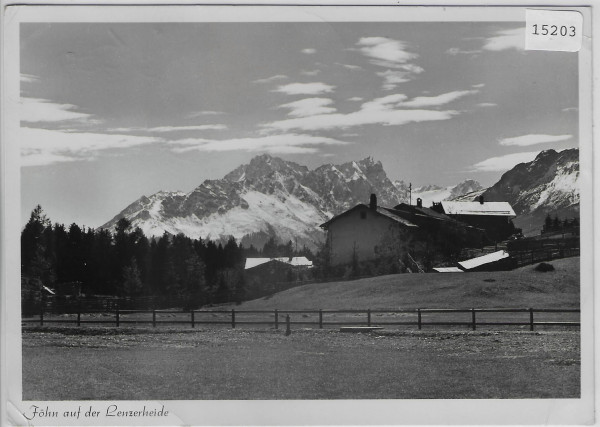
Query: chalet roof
{"x": 422, "y": 212}
{"x": 448, "y": 270}
{"x": 385, "y": 212}
{"x": 481, "y": 260}
{"x": 299, "y": 261}
{"x": 476, "y": 208}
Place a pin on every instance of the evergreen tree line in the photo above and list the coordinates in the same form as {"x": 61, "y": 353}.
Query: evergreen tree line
{"x": 126, "y": 263}
{"x": 556, "y": 224}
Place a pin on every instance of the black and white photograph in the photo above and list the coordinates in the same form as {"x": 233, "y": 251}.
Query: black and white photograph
{"x": 279, "y": 204}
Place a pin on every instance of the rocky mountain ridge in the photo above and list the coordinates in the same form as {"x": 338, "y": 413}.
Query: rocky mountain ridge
{"x": 546, "y": 185}
{"x": 268, "y": 196}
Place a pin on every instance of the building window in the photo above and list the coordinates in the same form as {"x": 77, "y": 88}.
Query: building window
{"x": 363, "y": 215}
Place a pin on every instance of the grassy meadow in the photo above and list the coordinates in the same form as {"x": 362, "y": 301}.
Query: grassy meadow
{"x": 522, "y": 287}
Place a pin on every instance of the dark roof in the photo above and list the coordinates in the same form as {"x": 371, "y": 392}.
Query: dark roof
{"x": 385, "y": 212}
{"x": 421, "y": 212}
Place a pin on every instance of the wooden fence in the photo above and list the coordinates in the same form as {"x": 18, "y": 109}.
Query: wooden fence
{"x": 533, "y": 256}
{"x": 419, "y": 318}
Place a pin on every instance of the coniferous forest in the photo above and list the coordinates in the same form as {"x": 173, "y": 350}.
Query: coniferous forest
{"x": 127, "y": 264}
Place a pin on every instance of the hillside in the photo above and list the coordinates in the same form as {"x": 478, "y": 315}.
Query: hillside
{"x": 546, "y": 185}
{"x": 523, "y": 287}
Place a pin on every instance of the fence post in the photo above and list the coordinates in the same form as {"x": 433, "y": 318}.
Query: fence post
{"x": 79, "y": 315}
{"x": 233, "y": 318}
{"x": 276, "y": 319}
{"x": 288, "y": 330}
{"x": 320, "y": 319}
{"x": 531, "y": 319}
{"x": 117, "y": 315}
{"x": 42, "y": 315}
{"x": 193, "y": 319}
{"x": 419, "y": 317}
{"x": 473, "y": 318}
{"x": 369, "y": 317}
{"x": 154, "y": 318}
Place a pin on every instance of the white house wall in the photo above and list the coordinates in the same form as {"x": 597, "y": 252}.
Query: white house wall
{"x": 350, "y": 234}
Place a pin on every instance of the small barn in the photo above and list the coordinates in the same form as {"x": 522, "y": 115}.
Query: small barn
{"x": 493, "y": 217}
{"x": 282, "y": 269}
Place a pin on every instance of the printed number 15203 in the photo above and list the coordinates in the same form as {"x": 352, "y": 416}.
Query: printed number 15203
{"x": 554, "y": 30}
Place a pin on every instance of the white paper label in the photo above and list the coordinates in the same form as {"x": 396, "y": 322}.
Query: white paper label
{"x": 559, "y": 30}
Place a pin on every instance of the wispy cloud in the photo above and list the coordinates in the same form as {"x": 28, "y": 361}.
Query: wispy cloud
{"x": 271, "y": 79}
{"x": 316, "y": 88}
{"x": 29, "y": 78}
{"x": 533, "y": 139}
{"x": 506, "y": 39}
{"x": 277, "y": 144}
{"x": 434, "y": 101}
{"x": 457, "y": 51}
{"x": 393, "y": 77}
{"x": 195, "y": 114}
{"x": 487, "y": 104}
{"x": 503, "y": 163}
{"x": 43, "y": 147}
{"x": 478, "y": 86}
{"x": 391, "y": 110}
{"x": 355, "y": 99}
{"x": 386, "y": 52}
{"x": 309, "y": 107}
{"x": 310, "y": 72}
{"x": 359, "y": 118}
{"x": 400, "y": 100}
{"x": 570, "y": 109}
{"x": 309, "y": 51}
{"x": 36, "y": 110}
{"x": 350, "y": 66}
{"x": 161, "y": 129}
{"x": 393, "y": 55}
{"x": 384, "y": 103}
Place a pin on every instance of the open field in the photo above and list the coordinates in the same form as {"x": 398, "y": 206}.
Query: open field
{"x": 111, "y": 364}
{"x": 63, "y": 362}
{"x": 522, "y": 287}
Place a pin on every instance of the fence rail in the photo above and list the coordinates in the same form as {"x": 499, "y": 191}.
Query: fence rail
{"x": 419, "y": 318}
{"x": 527, "y": 257}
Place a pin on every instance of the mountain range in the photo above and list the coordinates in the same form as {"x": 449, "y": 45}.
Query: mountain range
{"x": 271, "y": 197}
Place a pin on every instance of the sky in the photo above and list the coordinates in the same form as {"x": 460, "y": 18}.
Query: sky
{"x": 114, "y": 111}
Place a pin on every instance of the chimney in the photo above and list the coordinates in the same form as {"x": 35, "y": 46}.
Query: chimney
{"x": 419, "y": 202}
{"x": 373, "y": 202}
{"x": 481, "y": 199}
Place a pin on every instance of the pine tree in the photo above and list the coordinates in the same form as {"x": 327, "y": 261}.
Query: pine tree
{"x": 194, "y": 281}
{"x": 132, "y": 282}
{"x": 556, "y": 224}
{"x": 36, "y": 253}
